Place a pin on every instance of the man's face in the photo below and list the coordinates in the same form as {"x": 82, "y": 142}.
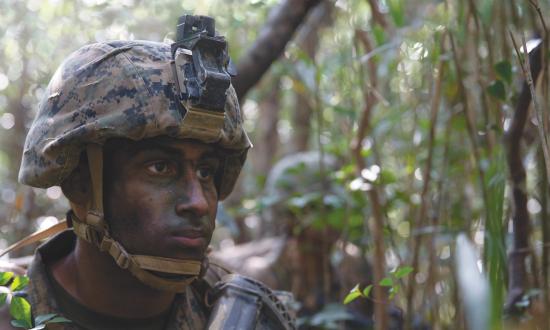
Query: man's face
{"x": 160, "y": 197}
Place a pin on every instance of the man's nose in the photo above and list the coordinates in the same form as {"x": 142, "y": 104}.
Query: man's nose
{"x": 193, "y": 199}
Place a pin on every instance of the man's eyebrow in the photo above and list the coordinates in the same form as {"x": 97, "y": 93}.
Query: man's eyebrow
{"x": 211, "y": 154}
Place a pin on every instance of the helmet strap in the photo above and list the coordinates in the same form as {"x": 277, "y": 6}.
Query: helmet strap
{"x": 94, "y": 229}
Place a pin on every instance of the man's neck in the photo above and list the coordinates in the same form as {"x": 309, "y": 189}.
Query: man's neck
{"x": 94, "y": 279}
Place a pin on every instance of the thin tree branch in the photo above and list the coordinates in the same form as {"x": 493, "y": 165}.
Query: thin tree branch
{"x": 283, "y": 21}
{"x": 424, "y": 200}
{"x": 377, "y": 224}
{"x": 377, "y": 15}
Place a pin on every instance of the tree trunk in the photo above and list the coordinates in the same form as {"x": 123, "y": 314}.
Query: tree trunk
{"x": 308, "y": 41}
{"x": 267, "y": 137}
{"x": 517, "y": 280}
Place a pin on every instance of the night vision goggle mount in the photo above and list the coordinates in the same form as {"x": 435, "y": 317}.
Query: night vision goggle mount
{"x": 203, "y": 73}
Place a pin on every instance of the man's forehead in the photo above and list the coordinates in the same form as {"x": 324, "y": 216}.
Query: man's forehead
{"x": 185, "y": 147}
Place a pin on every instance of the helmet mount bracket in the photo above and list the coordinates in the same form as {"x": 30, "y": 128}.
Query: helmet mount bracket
{"x": 200, "y": 63}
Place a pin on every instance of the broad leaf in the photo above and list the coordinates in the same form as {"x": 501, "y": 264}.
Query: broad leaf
{"x": 403, "y": 271}
{"x": 19, "y": 283}
{"x": 59, "y": 319}
{"x": 504, "y": 71}
{"x": 20, "y": 310}
{"x": 19, "y": 324}
{"x": 43, "y": 318}
{"x": 367, "y": 290}
{"x": 352, "y": 295}
{"x": 5, "y": 277}
{"x": 497, "y": 90}
{"x": 386, "y": 281}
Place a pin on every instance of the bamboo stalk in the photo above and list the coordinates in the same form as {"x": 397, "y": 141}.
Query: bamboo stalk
{"x": 377, "y": 224}
{"x": 421, "y": 215}
{"x": 469, "y": 124}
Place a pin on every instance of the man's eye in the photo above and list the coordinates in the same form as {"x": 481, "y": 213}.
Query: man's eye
{"x": 205, "y": 173}
{"x": 159, "y": 168}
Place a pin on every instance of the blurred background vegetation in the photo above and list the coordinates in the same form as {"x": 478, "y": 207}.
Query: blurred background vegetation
{"x": 417, "y": 100}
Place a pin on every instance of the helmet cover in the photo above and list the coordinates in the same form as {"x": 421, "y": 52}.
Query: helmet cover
{"x": 120, "y": 89}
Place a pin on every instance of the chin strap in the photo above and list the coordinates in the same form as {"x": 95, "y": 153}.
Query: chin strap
{"x": 94, "y": 230}
{"x": 141, "y": 266}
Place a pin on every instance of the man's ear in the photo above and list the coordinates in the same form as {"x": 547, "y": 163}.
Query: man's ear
{"x": 77, "y": 186}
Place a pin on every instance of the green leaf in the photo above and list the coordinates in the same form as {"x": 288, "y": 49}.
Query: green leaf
{"x": 403, "y": 271}
{"x": 386, "y": 281}
{"x": 19, "y": 324}
{"x": 20, "y": 310}
{"x": 59, "y": 319}
{"x": 367, "y": 290}
{"x": 5, "y": 277}
{"x": 504, "y": 71}
{"x": 497, "y": 90}
{"x": 19, "y": 283}
{"x": 397, "y": 12}
{"x": 352, "y": 295}
{"x": 3, "y": 297}
{"x": 43, "y": 318}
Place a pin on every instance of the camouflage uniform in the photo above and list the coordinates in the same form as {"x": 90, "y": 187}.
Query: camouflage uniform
{"x": 188, "y": 310}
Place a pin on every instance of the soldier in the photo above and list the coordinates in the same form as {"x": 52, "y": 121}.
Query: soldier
{"x": 301, "y": 250}
{"x": 144, "y": 139}
{"x": 297, "y": 240}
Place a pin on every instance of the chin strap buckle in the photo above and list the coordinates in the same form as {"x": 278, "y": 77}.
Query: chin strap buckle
{"x": 95, "y": 219}
{"x": 119, "y": 254}
{"x": 90, "y": 233}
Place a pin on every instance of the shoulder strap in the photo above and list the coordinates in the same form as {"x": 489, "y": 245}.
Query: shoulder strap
{"x": 214, "y": 274}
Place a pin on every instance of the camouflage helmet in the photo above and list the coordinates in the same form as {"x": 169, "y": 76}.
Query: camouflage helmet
{"x": 297, "y": 181}
{"x": 122, "y": 89}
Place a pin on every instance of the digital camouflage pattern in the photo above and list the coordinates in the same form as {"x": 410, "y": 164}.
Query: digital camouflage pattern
{"x": 119, "y": 89}
{"x": 297, "y": 179}
{"x": 216, "y": 301}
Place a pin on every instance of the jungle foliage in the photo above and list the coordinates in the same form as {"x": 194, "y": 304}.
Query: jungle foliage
{"x": 436, "y": 113}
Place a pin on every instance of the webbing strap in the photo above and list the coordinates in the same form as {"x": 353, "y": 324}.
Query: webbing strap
{"x": 36, "y": 236}
{"x": 173, "y": 285}
{"x": 165, "y": 265}
{"x": 86, "y": 232}
{"x": 168, "y": 265}
{"x": 95, "y": 162}
{"x": 140, "y": 265}
{"x": 160, "y": 264}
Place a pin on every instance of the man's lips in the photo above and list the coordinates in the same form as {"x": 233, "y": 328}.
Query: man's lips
{"x": 194, "y": 238}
